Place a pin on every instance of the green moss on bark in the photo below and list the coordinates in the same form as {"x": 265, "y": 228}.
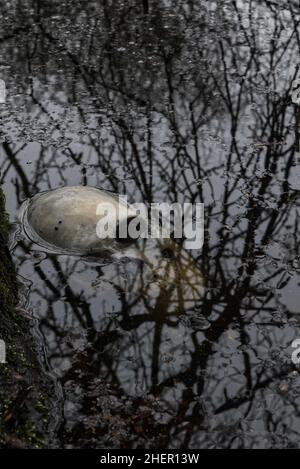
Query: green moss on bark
{"x": 8, "y": 287}
{"x": 24, "y": 388}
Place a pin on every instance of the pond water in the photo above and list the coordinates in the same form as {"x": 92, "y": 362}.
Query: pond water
{"x": 184, "y": 102}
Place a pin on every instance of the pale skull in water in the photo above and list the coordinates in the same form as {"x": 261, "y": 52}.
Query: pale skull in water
{"x": 67, "y": 219}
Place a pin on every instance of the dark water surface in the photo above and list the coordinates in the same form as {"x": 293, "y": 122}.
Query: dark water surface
{"x": 185, "y": 101}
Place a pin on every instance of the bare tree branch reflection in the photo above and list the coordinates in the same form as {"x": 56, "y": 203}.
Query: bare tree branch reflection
{"x": 172, "y": 103}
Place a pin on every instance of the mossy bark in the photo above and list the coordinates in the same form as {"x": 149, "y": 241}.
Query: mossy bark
{"x": 24, "y": 387}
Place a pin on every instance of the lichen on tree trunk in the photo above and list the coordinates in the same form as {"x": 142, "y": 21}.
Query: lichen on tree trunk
{"x": 25, "y": 388}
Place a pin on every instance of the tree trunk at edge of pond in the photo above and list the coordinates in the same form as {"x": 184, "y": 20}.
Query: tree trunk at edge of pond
{"x": 25, "y": 389}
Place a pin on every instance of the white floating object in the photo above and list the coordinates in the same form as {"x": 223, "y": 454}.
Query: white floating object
{"x": 65, "y": 220}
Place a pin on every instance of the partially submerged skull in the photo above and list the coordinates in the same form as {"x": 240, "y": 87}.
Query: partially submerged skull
{"x": 66, "y": 219}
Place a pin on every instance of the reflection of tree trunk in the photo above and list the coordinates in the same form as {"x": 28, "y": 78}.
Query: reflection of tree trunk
{"x": 21, "y": 378}
{"x": 297, "y": 134}
{"x": 12, "y": 158}
{"x": 146, "y": 6}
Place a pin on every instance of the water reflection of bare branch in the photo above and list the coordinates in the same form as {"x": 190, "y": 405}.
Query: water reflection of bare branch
{"x": 160, "y": 103}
